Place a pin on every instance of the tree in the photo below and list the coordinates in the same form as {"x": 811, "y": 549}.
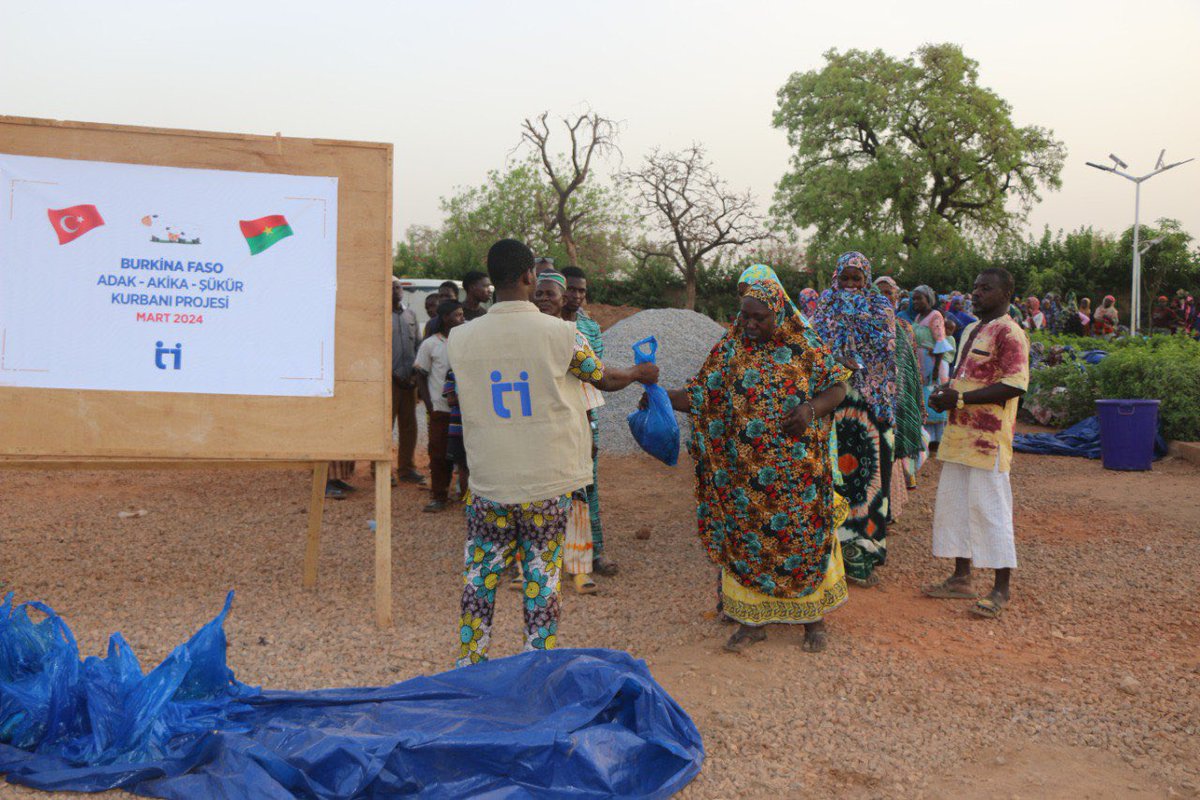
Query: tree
{"x": 683, "y": 201}
{"x": 589, "y": 135}
{"x": 515, "y": 202}
{"x": 907, "y": 155}
{"x": 1167, "y": 264}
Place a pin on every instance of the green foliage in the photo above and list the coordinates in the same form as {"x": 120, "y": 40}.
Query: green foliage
{"x": 906, "y": 155}
{"x": 517, "y": 203}
{"x": 1161, "y": 367}
{"x": 1165, "y": 368}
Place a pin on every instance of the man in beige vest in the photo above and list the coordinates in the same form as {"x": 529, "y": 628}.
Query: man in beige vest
{"x": 528, "y": 443}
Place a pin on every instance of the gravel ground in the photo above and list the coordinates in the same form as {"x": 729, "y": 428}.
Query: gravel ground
{"x": 1089, "y": 686}
{"x": 684, "y": 341}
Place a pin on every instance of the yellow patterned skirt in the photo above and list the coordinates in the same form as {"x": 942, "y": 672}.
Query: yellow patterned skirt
{"x": 752, "y": 608}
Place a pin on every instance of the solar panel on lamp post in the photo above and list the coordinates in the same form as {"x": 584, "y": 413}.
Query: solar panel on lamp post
{"x": 1135, "y": 314}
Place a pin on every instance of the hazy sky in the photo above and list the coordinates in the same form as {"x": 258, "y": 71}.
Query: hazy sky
{"x": 449, "y": 82}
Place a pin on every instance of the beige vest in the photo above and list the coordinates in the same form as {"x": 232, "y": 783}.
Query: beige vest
{"x": 524, "y": 418}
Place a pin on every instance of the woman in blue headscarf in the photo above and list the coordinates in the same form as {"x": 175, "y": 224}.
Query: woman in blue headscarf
{"x": 857, "y": 323}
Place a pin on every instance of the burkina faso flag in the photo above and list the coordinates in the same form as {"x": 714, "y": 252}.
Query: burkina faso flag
{"x": 263, "y": 232}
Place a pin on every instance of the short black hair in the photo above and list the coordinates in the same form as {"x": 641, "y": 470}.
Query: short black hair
{"x": 1004, "y": 276}
{"x": 507, "y": 261}
{"x": 573, "y": 272}
{"x": 432, "y": 296}
{"x": 447, "y": 307}
{"x": 473, "y": 277}
{"x": 449, "y": 285}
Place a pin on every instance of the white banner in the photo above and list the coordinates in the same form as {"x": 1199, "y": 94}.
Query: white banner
{"x": 158, "y": 279}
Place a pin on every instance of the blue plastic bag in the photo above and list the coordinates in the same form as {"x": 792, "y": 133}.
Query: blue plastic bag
{"x": 656, "y": 430}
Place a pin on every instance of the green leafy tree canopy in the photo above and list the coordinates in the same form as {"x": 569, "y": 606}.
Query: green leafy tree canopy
{"x": 907, "y": 155}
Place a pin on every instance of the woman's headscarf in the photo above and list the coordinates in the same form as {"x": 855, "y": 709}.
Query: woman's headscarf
{"x": 764, "y": 499}
{"x": 1033, "y": 304}
{"x": 763, "y": 273}
{"x": 861, "y": 323}
{"x": 929, "y": 295}
{"x": 1109, "y": 299}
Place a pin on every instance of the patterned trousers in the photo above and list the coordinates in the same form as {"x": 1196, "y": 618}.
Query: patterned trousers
{"x": 496, "y": 533}
{"x": 593, "y": 491}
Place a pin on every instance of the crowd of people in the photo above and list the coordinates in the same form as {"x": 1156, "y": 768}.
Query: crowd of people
{"x": 811, "y": 422}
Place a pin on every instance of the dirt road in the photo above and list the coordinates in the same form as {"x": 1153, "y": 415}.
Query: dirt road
{"x": 1088, "y": 687}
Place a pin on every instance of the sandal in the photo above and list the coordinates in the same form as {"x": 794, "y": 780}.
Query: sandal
{"x": 987, "y": 608}
{"x": 865, "y": 583}
{"x": 950, "y": 589}
{"x": 584, "y": 584}
{"x": 815, "y": 641}
{"x": 604, "y": 567}
{"x": 743, "y": 637}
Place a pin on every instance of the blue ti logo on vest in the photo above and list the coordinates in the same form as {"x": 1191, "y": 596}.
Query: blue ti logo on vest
{"x": 500, "y": 389}
{"x": 175, "y": 352}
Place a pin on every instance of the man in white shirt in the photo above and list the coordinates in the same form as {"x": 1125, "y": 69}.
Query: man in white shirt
{"x": 432, "y": 364}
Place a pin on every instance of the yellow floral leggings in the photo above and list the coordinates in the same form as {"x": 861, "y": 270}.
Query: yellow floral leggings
{"x": 496, "y": 533}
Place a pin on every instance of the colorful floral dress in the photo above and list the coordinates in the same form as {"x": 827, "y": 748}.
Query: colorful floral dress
{"x": 765, "y": 500}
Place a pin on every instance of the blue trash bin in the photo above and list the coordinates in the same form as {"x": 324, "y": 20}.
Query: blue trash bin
{"x": 1127, "y": 431}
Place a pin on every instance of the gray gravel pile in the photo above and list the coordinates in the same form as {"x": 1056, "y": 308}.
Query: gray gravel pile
{"x": 684, "y": 340}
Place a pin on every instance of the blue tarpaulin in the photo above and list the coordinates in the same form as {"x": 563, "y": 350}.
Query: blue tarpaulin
{"x": 1081, "y": 439}
{"x": 557, "y": 723}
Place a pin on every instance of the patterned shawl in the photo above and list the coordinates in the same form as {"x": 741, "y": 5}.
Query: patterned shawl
{"x": 764, "y": 500}
{"x": 861, "y": 323}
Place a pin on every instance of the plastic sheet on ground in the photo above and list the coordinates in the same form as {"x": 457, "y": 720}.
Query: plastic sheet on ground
{"x": 559, "y": 723}
{"x": 1081, "y": 439}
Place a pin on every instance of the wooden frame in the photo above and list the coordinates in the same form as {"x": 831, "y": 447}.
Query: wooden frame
{"x": 71, "y": 429}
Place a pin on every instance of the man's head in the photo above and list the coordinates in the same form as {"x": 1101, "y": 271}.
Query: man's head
{"x": 450, "y": 315}
{"x": 993, "y": 291}
{"x": 543, "y": 264}
{"x": 510, "y": 267}
{"x": 477, "y": 286}
{"x": 397, "y": 294}
{"x": 431, "y": 303}
{"x": 448, "y": 290}
{"x": 550, "y": 292}
{"x": 576, "y": 294}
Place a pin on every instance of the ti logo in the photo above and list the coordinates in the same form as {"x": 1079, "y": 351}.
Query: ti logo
{"x": 175, "y": 352}
{"x": 499, "y": 389}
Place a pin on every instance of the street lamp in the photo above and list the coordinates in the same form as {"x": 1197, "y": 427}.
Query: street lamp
{"x": 1117, "y": 169}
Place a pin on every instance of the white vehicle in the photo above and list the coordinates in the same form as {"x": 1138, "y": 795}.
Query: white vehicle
{"x": 417, "y": 289}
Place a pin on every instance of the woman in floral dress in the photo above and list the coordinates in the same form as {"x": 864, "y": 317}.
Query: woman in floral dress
{"x": 766, "y": 507}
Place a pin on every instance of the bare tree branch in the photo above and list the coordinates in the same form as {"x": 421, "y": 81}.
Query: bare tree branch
{"x": 589, "y": 136}
{"x": 679, "y": 196}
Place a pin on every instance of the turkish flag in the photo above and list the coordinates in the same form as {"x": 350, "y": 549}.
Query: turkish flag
{"x": 71, "y": 223}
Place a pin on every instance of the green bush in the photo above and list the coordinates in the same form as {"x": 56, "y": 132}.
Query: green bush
{"x": 1164, "y": 368}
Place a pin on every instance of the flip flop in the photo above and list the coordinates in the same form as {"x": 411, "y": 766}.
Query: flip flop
{"x": 948, "y": 590}
{"x": 987, "y": 608}
{"x": 584, "y": 584}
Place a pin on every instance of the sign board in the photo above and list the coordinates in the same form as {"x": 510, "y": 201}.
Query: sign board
{"x": 262, "y": 264}
{"x": 126, "y": 277}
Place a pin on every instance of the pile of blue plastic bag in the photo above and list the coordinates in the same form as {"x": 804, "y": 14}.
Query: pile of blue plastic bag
{"x": 557, "y": 723}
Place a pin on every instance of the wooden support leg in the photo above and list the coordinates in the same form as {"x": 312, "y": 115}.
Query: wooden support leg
{"x": 316, "y": 510}
{"x": 383, "y": 544}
